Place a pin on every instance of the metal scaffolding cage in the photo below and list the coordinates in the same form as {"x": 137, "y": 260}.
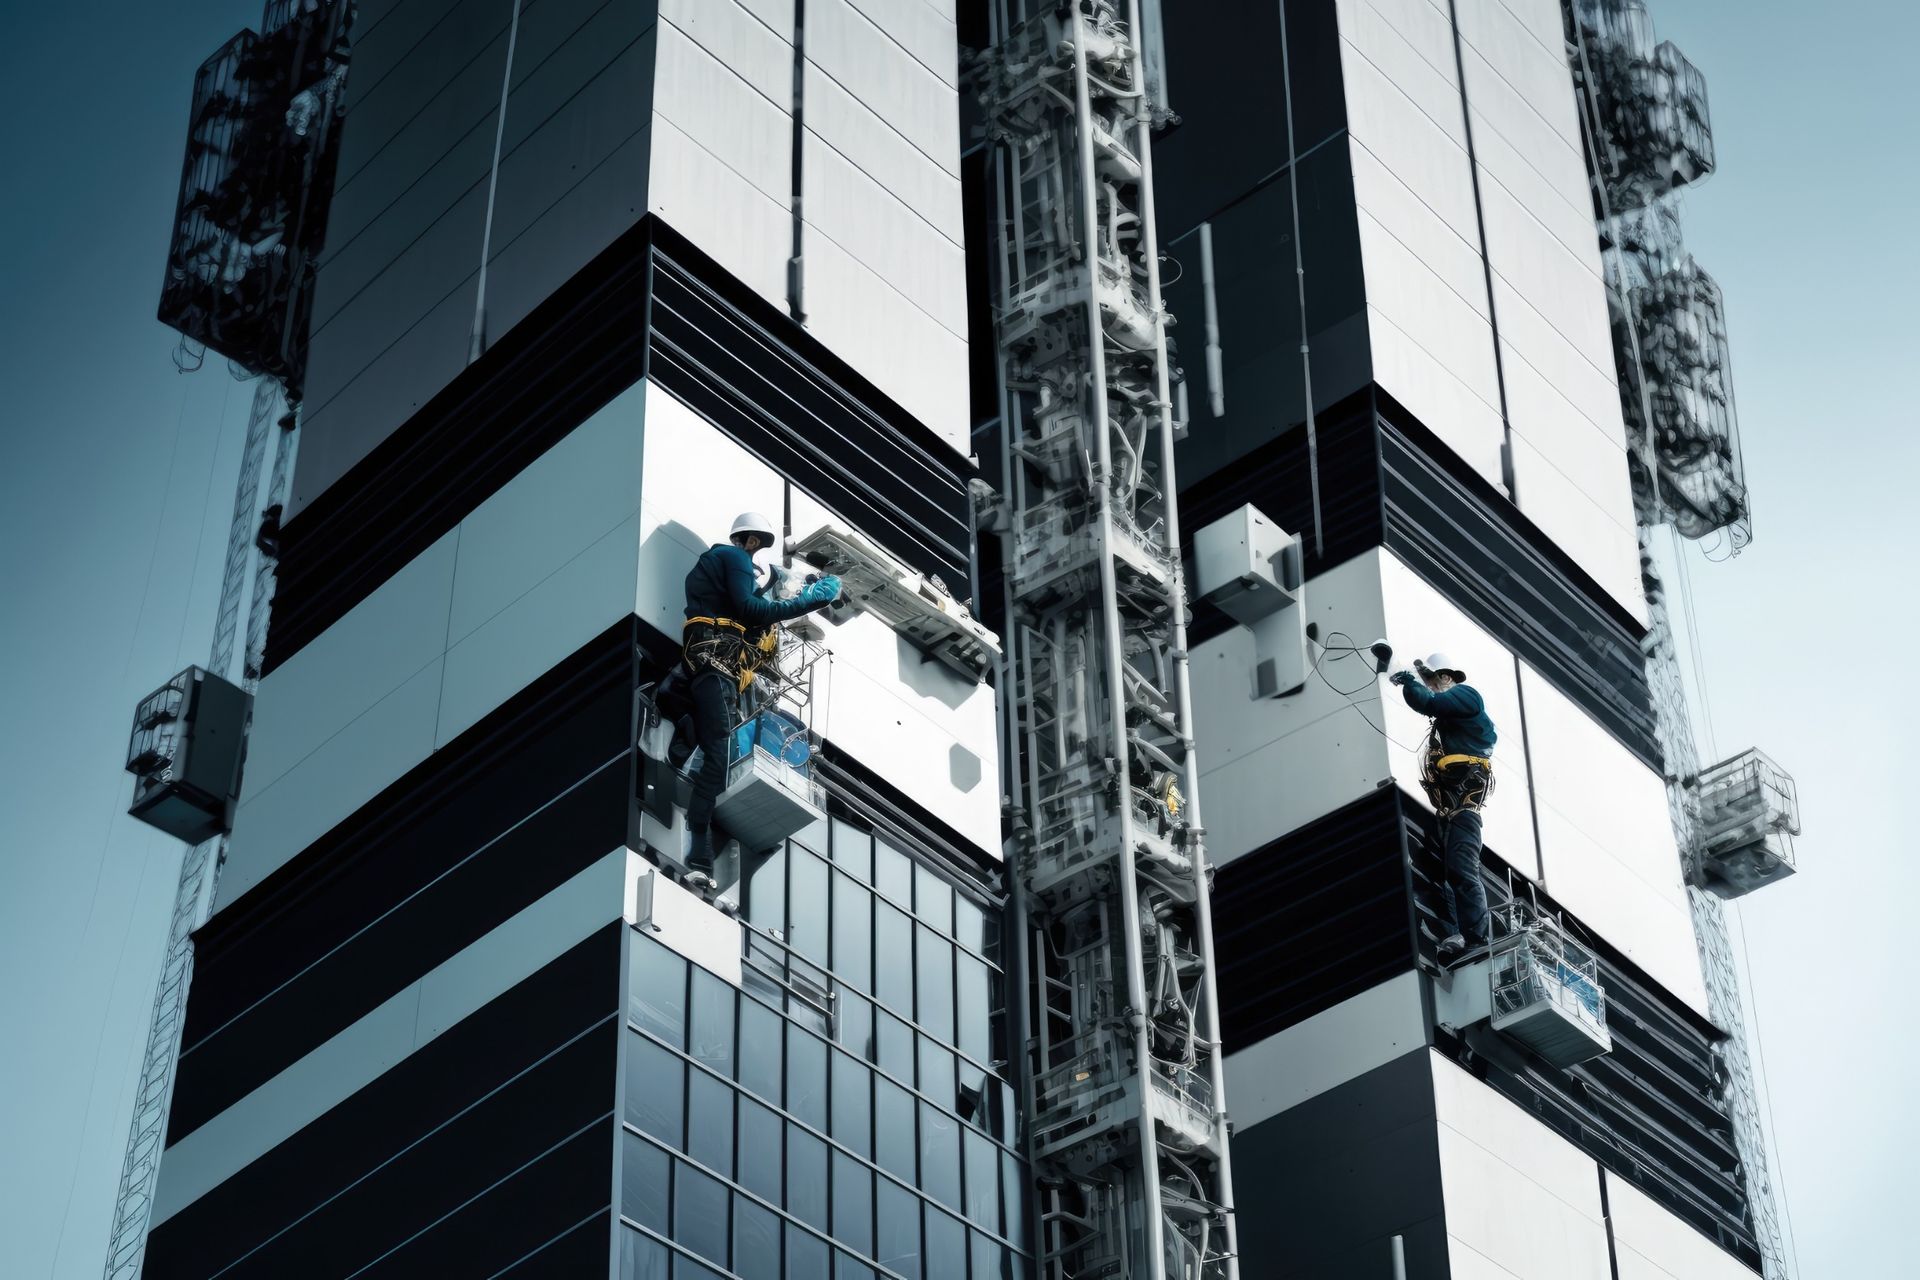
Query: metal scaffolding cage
{"x": 1749, "y": 814}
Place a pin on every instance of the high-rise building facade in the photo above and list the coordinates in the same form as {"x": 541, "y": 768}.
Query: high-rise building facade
{"x": 570, "y": 284}
{"x": 1399, "y": 222}
{"x": 597, "y": 276}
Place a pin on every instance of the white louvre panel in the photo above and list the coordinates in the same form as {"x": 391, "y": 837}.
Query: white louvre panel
{"x": 876, "y": 583}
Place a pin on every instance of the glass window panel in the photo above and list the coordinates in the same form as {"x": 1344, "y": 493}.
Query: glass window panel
{"x": 685, "y": 1268}
{"x": 807, "y": 1255}
{"x": 893, "y": 939}
{"x": 657, "y": 998}
{"x": 806, "y": 1178}
{"x": 766, "y": 903}
{"x": 852, "y": 931}
{"x": 946, "y": 1247}
{"x": 848, "y": 1267}
{"x": 807, "y": 907}
{"x": 989, "y": 1259}
{"x": 896, "y": 1048}
{"x": 969, "y": 923}
{"x": 761, "y": 1160}
{"x": 700, "y": 1213}
{"x": 971, "y": 1096}
{"x": 641, "y": 1258}
{"x": 933, "y": 984}
{"x": 853, "y": 849}
{"x": 940, "y": 1155}
{"x": 982, "y": 1180}
{"x": 710, "y": 1122}
{"x": 644, "y": 1170}
{"x": 756, "y": 1239}
{"x": 975, "y": 1014}
{"x": 656, "y": 1089}
{"x": 807, "y": 1078}
{"x": 1005, "y": 1114}
{"x": 936, "y": 1072}
{"x": 761, "y": 1031}
{"x": 854, "y": 1014}
{"x": 932, "y": 898}
{"x": 893, "y": 1139}
{"x": 852, "y": 1203}
{"x": 852, "y": 1086}
{"x": 711, "y": 1041}
{"x": 1013, "y": 1196}
{"x": 892, "y": 872}
{"x": 898, "y": 1220}
{"x": 814, "y": 836}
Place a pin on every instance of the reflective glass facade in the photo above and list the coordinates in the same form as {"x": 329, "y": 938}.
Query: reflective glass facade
{"x": 767, "y": 1137}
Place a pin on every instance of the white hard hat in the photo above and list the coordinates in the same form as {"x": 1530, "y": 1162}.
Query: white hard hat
{"x": 753, "y": 522}
{"x": 1441, "y": 664}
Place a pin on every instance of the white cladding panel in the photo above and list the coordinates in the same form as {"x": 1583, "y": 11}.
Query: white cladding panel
{"x": 881, "y": 232}
{"x": 725, "y": 114}
{"x": 1328, "y": 1049}
{"x": 538, "y": 569}
{"x": 739, "y": 226}
{"x": 1652, "y": 1244}
{"x": 904, "y": 351}
{"x": 923, "y": 728}
{"x": 1521, "y": 1202}
{"x": 1427, "y": 309}
{"x": 1271, "y": 765}
{"x": 877, "y": 64}
{"x": 1420, "y": 621}
{"x": 1607, "y": 845}
{"x": 882, "y": 249}
{"x": 1550, "y": 300}
{"x": 867, "y": 141}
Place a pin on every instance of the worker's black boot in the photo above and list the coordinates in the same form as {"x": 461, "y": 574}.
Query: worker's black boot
{"x": 700, "y": 859}
{"x": 1451, "y": 948}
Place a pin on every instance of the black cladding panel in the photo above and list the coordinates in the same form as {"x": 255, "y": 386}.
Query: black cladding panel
{"x": 1323, "y": 1187}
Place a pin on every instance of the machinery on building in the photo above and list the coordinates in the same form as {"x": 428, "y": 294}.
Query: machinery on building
{"x": 258, "y": 177}
{"x": 1535, "y": 989}
{"x": 254, "y": 191}
{"x": 1646, "y": 132}
{"x": 1749, "y": 814}
{"x": 1128, "y": 1130}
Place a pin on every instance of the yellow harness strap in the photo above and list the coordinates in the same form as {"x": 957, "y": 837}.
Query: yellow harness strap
{"x": 728, "y": 623}
{"x": 1447, "y": 761}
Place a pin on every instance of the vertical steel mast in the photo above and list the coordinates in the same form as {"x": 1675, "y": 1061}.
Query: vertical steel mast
{"x": 1127, "y": 1127}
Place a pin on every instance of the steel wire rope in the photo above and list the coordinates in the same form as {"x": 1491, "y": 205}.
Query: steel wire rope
{"x": 200, "y": 534}
{"x": 113, "y": 818}
{"x": 1765, "y": 1090}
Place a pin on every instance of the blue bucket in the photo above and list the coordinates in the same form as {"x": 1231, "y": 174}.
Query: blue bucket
{"x": 777, "y": 733}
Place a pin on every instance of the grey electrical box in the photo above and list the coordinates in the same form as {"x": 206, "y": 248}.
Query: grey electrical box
{"x": 1251, "y": 569}
{"x": 188, "y": 740}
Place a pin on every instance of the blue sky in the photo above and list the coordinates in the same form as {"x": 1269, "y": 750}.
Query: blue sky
{"x": 118, "y": 475}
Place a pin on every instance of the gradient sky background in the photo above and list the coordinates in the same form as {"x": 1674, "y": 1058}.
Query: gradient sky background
{"x": 117, "y": 476}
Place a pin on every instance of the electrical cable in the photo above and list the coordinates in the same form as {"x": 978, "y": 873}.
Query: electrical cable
{"x": 1347, "y": 651}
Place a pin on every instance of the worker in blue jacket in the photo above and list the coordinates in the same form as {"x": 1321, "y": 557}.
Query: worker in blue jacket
{"x": 1457, "y": 774}
{"x": 728, "y": 611}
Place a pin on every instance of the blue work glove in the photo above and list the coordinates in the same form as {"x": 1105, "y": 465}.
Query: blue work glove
{"x": 1400, "y": 677}
{"x": 825, "y": 591}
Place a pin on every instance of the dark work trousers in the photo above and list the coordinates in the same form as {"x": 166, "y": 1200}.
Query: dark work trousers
{"x": 713, "y": 694}
{"x": 1463, "y": 895}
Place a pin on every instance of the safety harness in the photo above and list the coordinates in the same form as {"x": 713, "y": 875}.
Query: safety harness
{"x": 1454, "y": 783}
{"x": 726, "y": 646}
